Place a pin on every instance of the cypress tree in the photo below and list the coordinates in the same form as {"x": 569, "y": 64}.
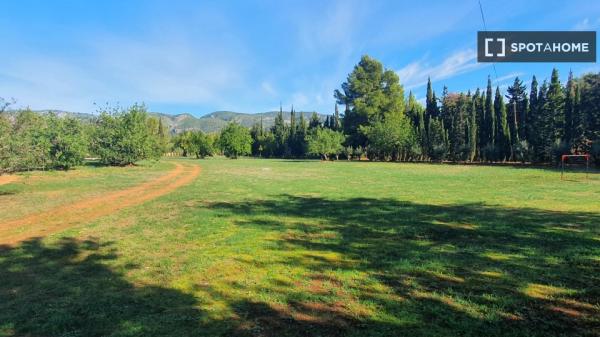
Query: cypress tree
{"x": 569, "y": 111}
{"x": 430, "y": 102}
{"x": 315, "y": 122}
{"x": 473, "y": 129}
{"x": 533, "y": 105}
{"x": 541, "y": 125}
{"x": 490, "y": 122}
{"x": 503, "y": 134}
{"x": 336, "y": 119}
{"x": 578, "y": 131}
{"x": 293, "y": 145}
{"x": 479, "y": 100}
{"x": 280, "y": 134}
{"x": 292, "y": 121}
{"x": 517, "y": 113}
{"x": 302, "y": 134}
{"x": 556, "y": 106}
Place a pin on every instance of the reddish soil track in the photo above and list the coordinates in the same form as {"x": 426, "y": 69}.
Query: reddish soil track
{"x": 65, "y": 216}
{"x": 8, "y": 179}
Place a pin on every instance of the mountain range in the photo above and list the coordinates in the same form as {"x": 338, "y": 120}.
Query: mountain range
{"x": 217, "y": 120}
{"x": 211, "y": 122}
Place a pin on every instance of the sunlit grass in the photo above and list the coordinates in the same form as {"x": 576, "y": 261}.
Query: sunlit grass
{"x": 295, "y": 248}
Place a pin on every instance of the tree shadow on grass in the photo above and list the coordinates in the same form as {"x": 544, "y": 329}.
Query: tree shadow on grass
{"x": 67, "y": 290}
{"x": 469, "y": 270}
{"x": 415, "y": 270}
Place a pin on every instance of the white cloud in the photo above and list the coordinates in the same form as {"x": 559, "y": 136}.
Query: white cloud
{"x": 510, "y": 76}
{"x": 171, "y": 69}
{"x": 299, "y": 100}
{"x": 268, "y": 88}
{"x": 416, "y": 73}
{"x": 587, "y": 24}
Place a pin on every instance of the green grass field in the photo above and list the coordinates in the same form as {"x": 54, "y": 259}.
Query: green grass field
{"x": 307, "y": 248}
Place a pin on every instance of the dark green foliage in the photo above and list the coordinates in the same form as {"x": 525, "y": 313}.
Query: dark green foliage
{"x": 280, "y": 133}
{"x": 390, "y": 139}
{"x": 472, "y": 130}
{"x": 517, "y": 110}
{"x": 195, "y": 143}
{"x": 315, "y": 122}
{"x": 569, "y": 110}
{"x": 489, "y": 124}
{"x": 530, "y": 132}
{"x": 588, "y": 115}
{"x": 552, "y": 111}
{"x": 503, "y": 134}
{"x": 235, "y": 140}
{"x": 371, "y": 93}
{"x": 68, "y": 142}
{"x": 35, "y": 141}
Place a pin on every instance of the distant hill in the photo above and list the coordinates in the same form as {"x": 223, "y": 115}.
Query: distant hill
{"x": 59, "y": 113}
{"x": 211, "y": 122}
{"x": 218, "y": 120}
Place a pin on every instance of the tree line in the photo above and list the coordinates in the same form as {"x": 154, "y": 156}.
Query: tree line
{"x": 528, "y": 125}
{"x": 536, "y": 124}
{"x": 34, "y": 141}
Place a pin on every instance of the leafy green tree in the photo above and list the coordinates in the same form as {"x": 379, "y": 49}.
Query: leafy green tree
{"x": 235, "y": 140}
{"x": 5, "y": 144}
{"x": 183, "y": 141}
{"x": 371, "y": 93}
{"x": 390, "y": 139}
{"x": 123, "y": 137}
{"x": 30, "y": 146}
{"x": 325, "y": 143}
{"x": 68, "y": 142}
{"x": 202, "y": 145}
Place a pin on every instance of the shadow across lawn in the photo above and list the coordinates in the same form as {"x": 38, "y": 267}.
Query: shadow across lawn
{"x": 469, "y": 270}
{"x": 424, "y": 270}
{"x": 66, "y": 290}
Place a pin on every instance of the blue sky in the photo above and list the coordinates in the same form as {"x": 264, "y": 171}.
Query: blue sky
{"x": 202, "y": 56}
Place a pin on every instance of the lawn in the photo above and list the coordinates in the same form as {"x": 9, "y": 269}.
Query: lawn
{"x": 306, "y": 248}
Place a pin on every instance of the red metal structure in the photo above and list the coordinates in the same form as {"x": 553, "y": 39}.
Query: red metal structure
{"x": 565, "y": 157}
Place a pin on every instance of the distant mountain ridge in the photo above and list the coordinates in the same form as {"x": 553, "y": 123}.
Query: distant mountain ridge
{"x": 217, "y": 120}
{"x": 212, "y": 122}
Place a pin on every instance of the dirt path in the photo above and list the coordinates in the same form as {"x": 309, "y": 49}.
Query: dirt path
{"x": 8, "y": 179}
{"x": 83, "y": 211}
